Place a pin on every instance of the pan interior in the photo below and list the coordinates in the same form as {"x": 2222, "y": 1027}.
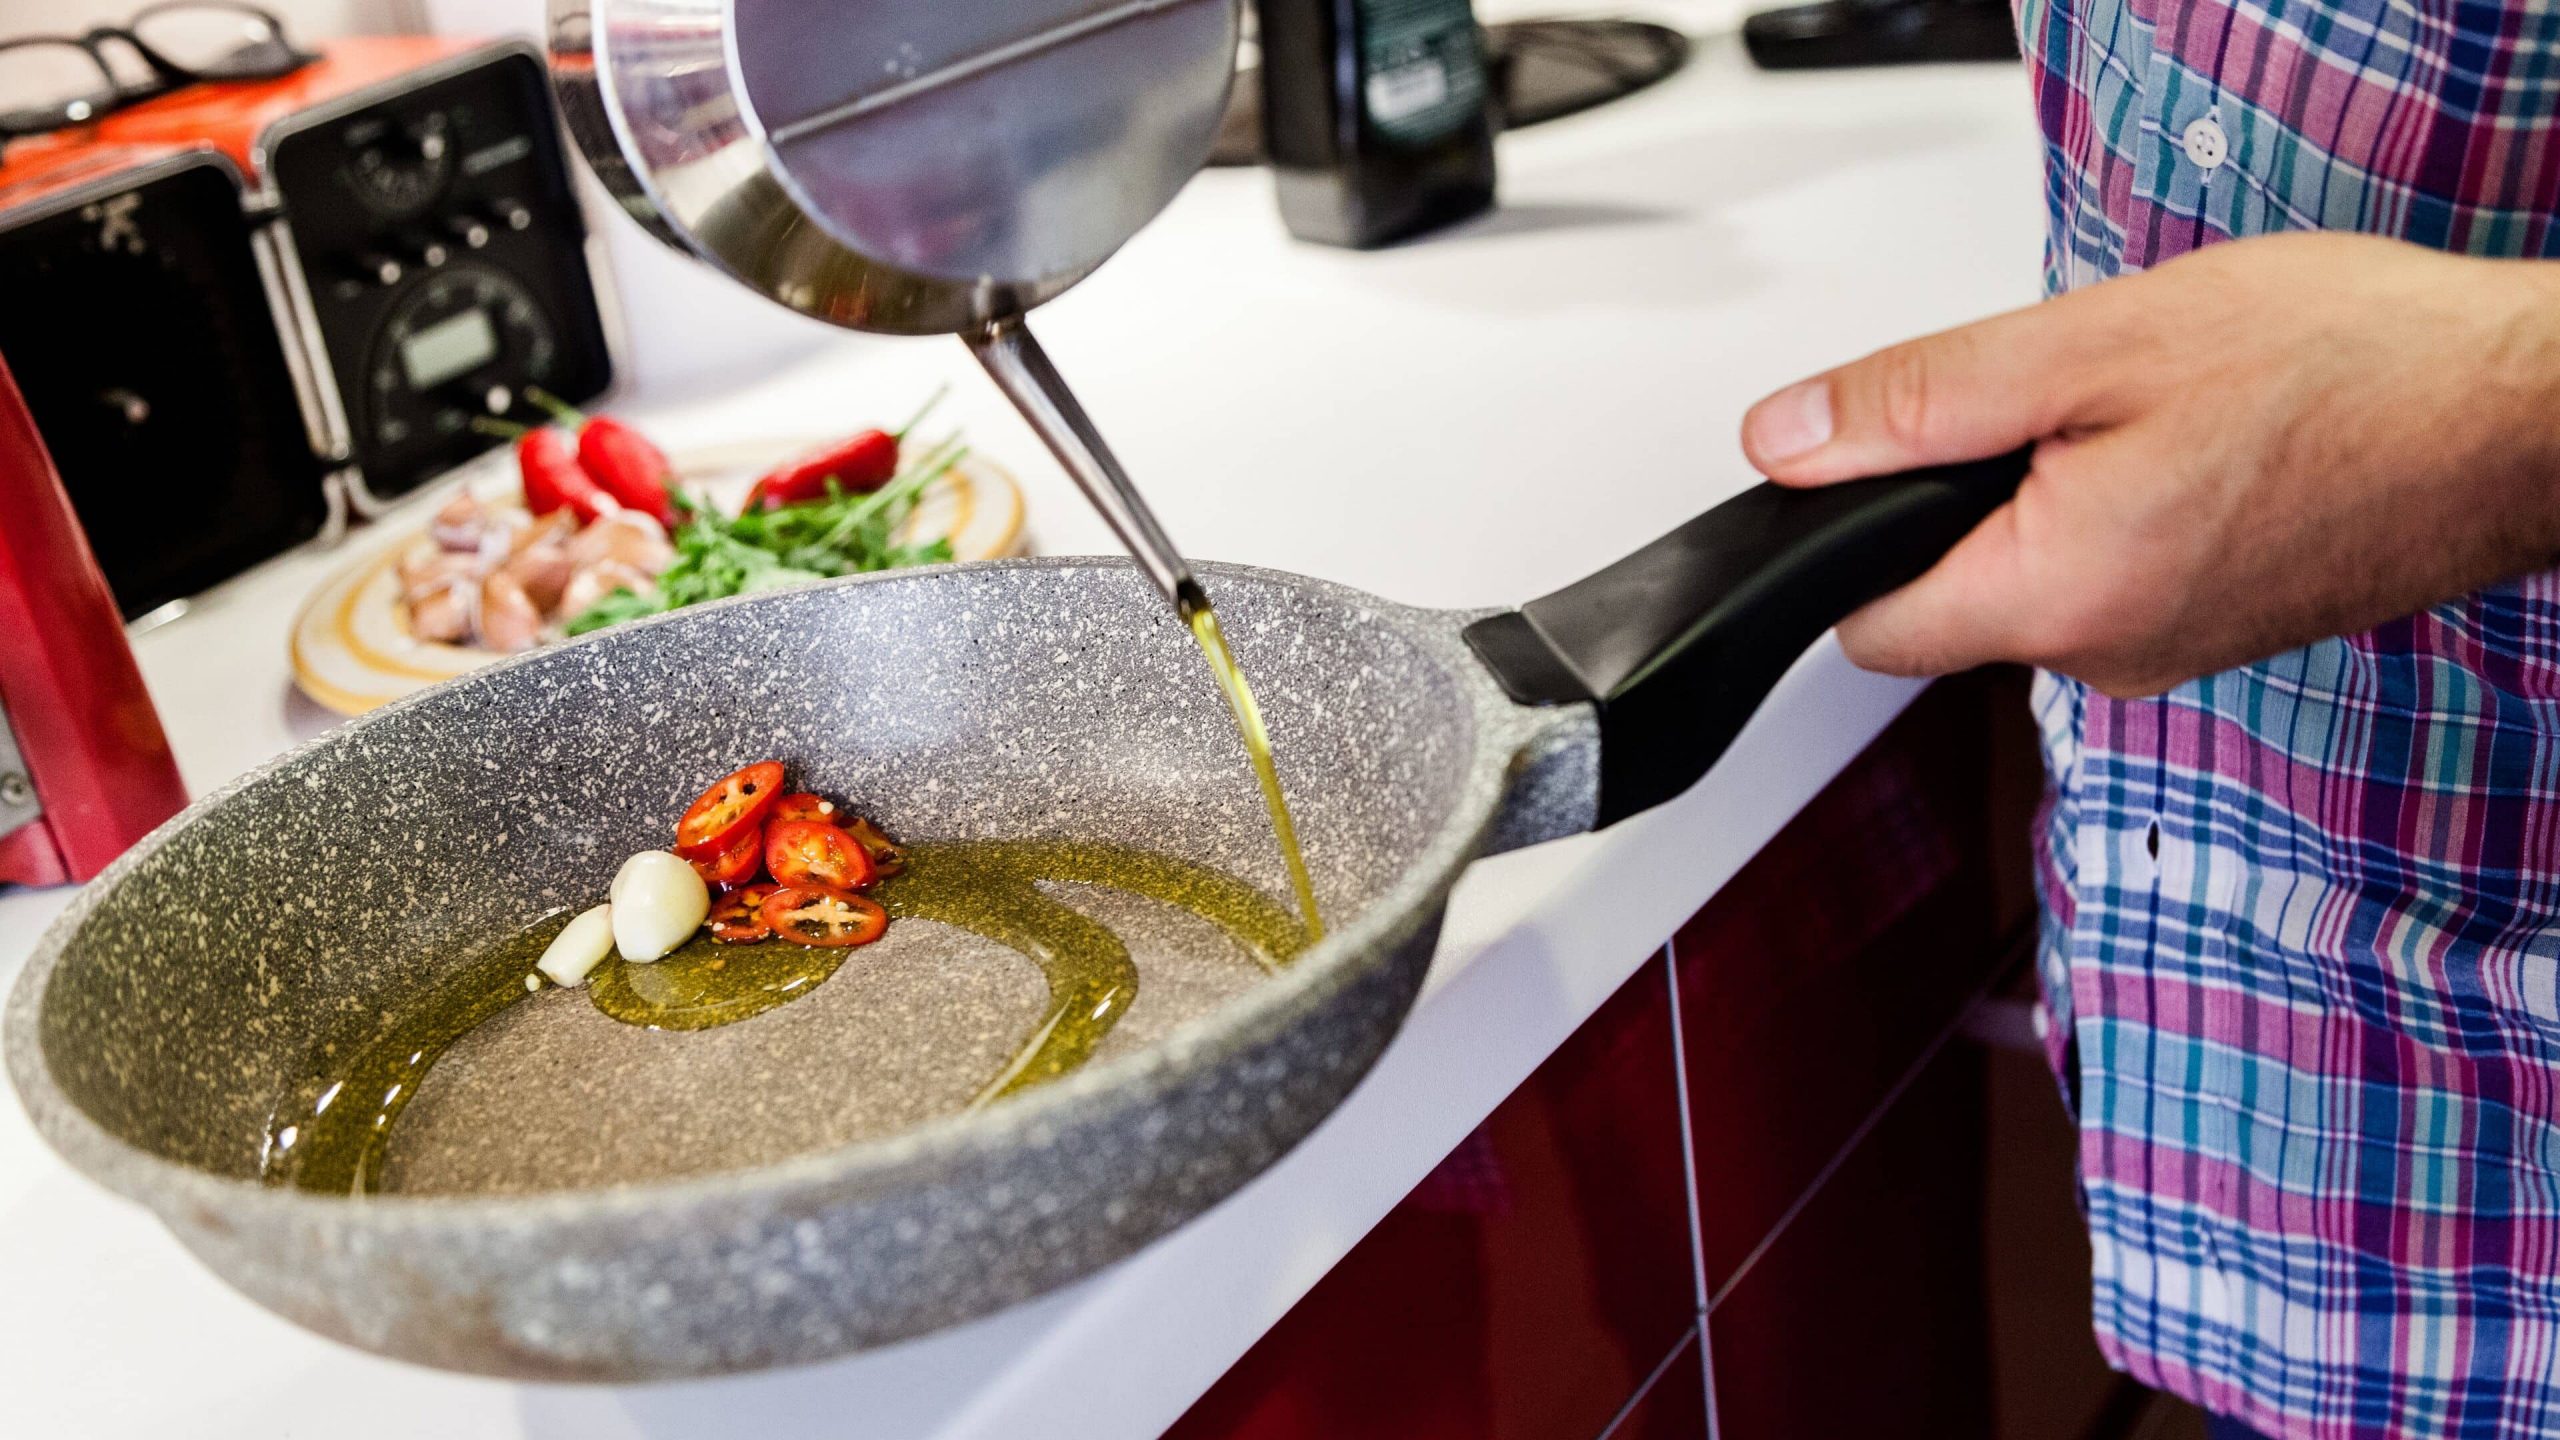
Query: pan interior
{"x": 297, "y": 915}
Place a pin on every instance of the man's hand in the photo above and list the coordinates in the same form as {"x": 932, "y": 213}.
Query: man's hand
{"x": 2256, "y": 446}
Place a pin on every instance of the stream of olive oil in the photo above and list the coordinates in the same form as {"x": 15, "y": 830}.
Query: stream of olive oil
{"x": 1257, "y": 747}
{"x": 332, "y": 1133}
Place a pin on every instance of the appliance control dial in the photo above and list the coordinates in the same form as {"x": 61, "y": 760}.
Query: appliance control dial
{"x": 454, "y": 347}
{"x": 399, "y": 169}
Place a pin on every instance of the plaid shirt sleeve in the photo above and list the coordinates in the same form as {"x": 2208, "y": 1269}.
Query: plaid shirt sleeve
{"x": 2302, "y": 935}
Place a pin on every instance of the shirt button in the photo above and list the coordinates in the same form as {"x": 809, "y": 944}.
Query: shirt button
{"x": 2206, "y": 145}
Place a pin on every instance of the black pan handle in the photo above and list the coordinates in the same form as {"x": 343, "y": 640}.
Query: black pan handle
{"x": 1679, "y": 643}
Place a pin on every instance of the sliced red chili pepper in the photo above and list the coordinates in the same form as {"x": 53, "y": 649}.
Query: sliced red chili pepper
{"x": 737, "y": 863}
{"x": 547, "y": 463}
{"x": 815, "y": 915}
{"x": 735, "y": 803}
{"x": 813, "y": 852}
{"x": 887, "y": 858}
{"x": 630, "y": 469}
{"x": 737, "y": 918}
{"x": 802, "y": 805}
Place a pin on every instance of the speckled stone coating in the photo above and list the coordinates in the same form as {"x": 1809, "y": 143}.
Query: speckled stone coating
{"x": 161, "y": 1017}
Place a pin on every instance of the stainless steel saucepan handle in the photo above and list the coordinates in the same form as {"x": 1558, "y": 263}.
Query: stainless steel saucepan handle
{"x": 1022, "y": 370}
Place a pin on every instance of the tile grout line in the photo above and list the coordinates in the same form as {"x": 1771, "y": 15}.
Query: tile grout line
{"x": 1689, "y": 1169}
{"x": 1661, "y": 1367}
{"x": 1857, "y": 1137}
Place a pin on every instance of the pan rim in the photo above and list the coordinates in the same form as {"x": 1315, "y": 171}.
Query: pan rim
{"x": 170, "y": 1188}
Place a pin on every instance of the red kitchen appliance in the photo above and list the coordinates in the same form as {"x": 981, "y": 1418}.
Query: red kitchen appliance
{"x": 85, "y": 769}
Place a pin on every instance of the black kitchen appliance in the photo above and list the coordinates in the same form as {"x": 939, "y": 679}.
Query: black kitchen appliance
{"x": 436, "y": 255}
{"x": 147, "y": 341}
{"x": 338, "y": 270}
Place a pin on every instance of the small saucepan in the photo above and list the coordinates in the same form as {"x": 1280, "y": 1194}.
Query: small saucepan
{"x": 702, "y": 1225}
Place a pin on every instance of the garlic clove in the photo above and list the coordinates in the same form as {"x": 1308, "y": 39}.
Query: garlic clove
{"x": 579, "y": 948}
{"x": 658, "y": 901}
{"x": 626, "y": 536}
{"x": 509, "y": 620}
{"x": 542, "y": 571}
{"x": 443, "y": 613}
{"x": 596, "y": 582}
{"x": 460, "y": 523}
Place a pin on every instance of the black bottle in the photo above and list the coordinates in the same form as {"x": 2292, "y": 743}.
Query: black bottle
{"x": 1376, "y": 116}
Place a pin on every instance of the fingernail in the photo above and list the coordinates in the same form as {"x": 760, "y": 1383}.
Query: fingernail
{"x": 1792, "y": 421}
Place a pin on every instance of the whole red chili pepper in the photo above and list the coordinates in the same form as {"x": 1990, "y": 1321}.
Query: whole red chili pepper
{"x": 861, "y": 462}
{"x": 865, "y": 461}
{"x": 630, "y": 469}
{"x": 553, "y": 478}
{"x": 621, "y": 459}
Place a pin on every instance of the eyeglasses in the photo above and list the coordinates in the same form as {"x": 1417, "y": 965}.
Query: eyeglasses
{"x": 48, "y": 82}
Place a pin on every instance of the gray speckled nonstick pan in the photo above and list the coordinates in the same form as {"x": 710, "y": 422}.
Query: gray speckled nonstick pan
{"x": 703, "y": 1225}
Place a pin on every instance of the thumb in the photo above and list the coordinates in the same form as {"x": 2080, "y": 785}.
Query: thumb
{"x": 1963, "y": 394}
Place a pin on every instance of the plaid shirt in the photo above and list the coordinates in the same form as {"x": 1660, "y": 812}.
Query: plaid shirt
{"x": 2302, "y": 941}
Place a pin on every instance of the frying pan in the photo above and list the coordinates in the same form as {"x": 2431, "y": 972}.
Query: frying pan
{"x": 161, "y": 1018}
{"x": 579, "y": 1198}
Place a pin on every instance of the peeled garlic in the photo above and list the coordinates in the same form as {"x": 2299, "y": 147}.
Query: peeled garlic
{"x": 657, "y": 902}
{"x": 580, "y": 947}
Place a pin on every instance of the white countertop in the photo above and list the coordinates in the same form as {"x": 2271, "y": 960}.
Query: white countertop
{"x": 1473, "y": 419}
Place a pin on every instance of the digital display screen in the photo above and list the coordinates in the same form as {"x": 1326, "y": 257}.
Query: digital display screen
{"x": 448, "y": 348}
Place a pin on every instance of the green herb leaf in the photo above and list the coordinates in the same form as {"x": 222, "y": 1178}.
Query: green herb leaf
{"x": 846, "y": 533}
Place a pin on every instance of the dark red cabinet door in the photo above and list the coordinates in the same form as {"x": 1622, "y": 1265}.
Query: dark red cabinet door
{"x": 1543, "y": 1283}
{"x": 1866, "y": 1316}
{"x": 1524, "y": 1291}
{"x": 1674, "y": 1406}
{"x": 1820, "y": 975}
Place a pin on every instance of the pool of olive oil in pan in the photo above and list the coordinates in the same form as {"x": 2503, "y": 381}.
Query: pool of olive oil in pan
{"x": 333, "y": 1133}
{"x": 334, "y": 1130}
